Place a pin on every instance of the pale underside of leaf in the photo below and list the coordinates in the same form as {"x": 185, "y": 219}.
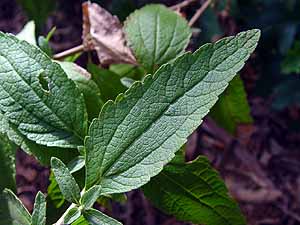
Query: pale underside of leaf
{"x": 135, "y": 136}
{"x": 28, "y": 33}
{"x": 42, "y": 153}
{"x": 103, "y": 32}
{"x": 37, "y": 96}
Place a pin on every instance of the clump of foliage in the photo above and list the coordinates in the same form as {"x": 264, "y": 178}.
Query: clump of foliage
{"x": 50, "y": 109}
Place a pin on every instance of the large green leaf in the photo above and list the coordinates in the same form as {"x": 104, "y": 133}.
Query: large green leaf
{"x": 95, "y": 217}
{"x": 7, "y": 164}
{"x": 193, "y": 192}
{"x": 39, "y": 211}
{"x": 232, "y": 108}
{"x": 135, "y": 136}
{"x": 156, "y": 34}
{"x": 42, "y": 153}
{"x": 66, "y": 182}
{"x": 86, "y": 85}
{"x": 12, "y": 211}
{"x": 109, "y": 83}
{"x": 37, "y": 96}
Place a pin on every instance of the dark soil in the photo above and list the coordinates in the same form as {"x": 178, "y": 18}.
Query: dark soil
{"x": 261, "y": 165}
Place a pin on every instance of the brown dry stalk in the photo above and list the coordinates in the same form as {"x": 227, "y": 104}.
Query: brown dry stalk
{"x": 181, "y": 4}
{"x": 199, "y": 12}
{"x": 69, "y": 52}
{"x": 178, "y": 6}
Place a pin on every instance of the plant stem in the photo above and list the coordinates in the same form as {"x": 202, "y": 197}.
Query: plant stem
{"x": 60, "y": 221}
{"x": 69, "y": 52}
{"x": 182, "y": 4}
{"x": 199, "y": 12}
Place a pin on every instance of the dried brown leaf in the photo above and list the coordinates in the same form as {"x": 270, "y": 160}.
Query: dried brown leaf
{"x": 103, "y": 32}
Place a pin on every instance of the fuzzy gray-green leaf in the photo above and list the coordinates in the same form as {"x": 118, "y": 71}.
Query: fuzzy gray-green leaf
{"x": 72, "y": 215}
{"x": 12, "y": 211}
{"x": 90, "y": 196}
{"x": 37, "y": 96}
{"x": 156, "y": 34}
{"x": 66, "y": 182}
{"x": 39, "y": 211}
{"x": 95, "y": 217}
{"x": 135, "y": 136}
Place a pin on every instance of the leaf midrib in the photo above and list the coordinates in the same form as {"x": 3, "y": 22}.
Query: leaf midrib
{"x": 195, "y": 197}
{"x": 156, "y": 118}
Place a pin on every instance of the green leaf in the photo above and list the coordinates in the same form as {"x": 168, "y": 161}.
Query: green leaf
{"x": 42, "y": 153}
{"x": 157, "y": 35}
{"x": 80, "y": 221}
{"x": 37, "y": 96}
{"x": 86, "y": 85}
{"x": 291, "y": 62}
{"x": 179, "y": 157}
{"x": 12, "y": 211}
{"x": 109, "y": 83}
{"x": 39, "y": 211}
{"x": 90, "y": 197}
{"x": 54, "y": 193}
{"x": 193, "y": 192}
{"x": 43, "y": 43}
{"x": 7, "y": 164}
{"x": 127, "y": 82}
{"x": 135, "y": 136}
{"x": 76, "y": 164}
{"x": 128, "y": 70}
{"x": 66, "y": 182}
{"x": 72, "y": 215}
{"x": 95, "y": 217}
{"x": 232, "y": 108}
{"x": 28, "y": 33}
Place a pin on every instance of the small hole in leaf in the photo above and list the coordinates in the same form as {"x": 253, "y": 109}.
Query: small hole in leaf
{"x": 44, "y": 82}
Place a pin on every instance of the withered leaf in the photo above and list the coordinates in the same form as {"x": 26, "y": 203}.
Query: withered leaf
{"x": 103, "y": 32}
